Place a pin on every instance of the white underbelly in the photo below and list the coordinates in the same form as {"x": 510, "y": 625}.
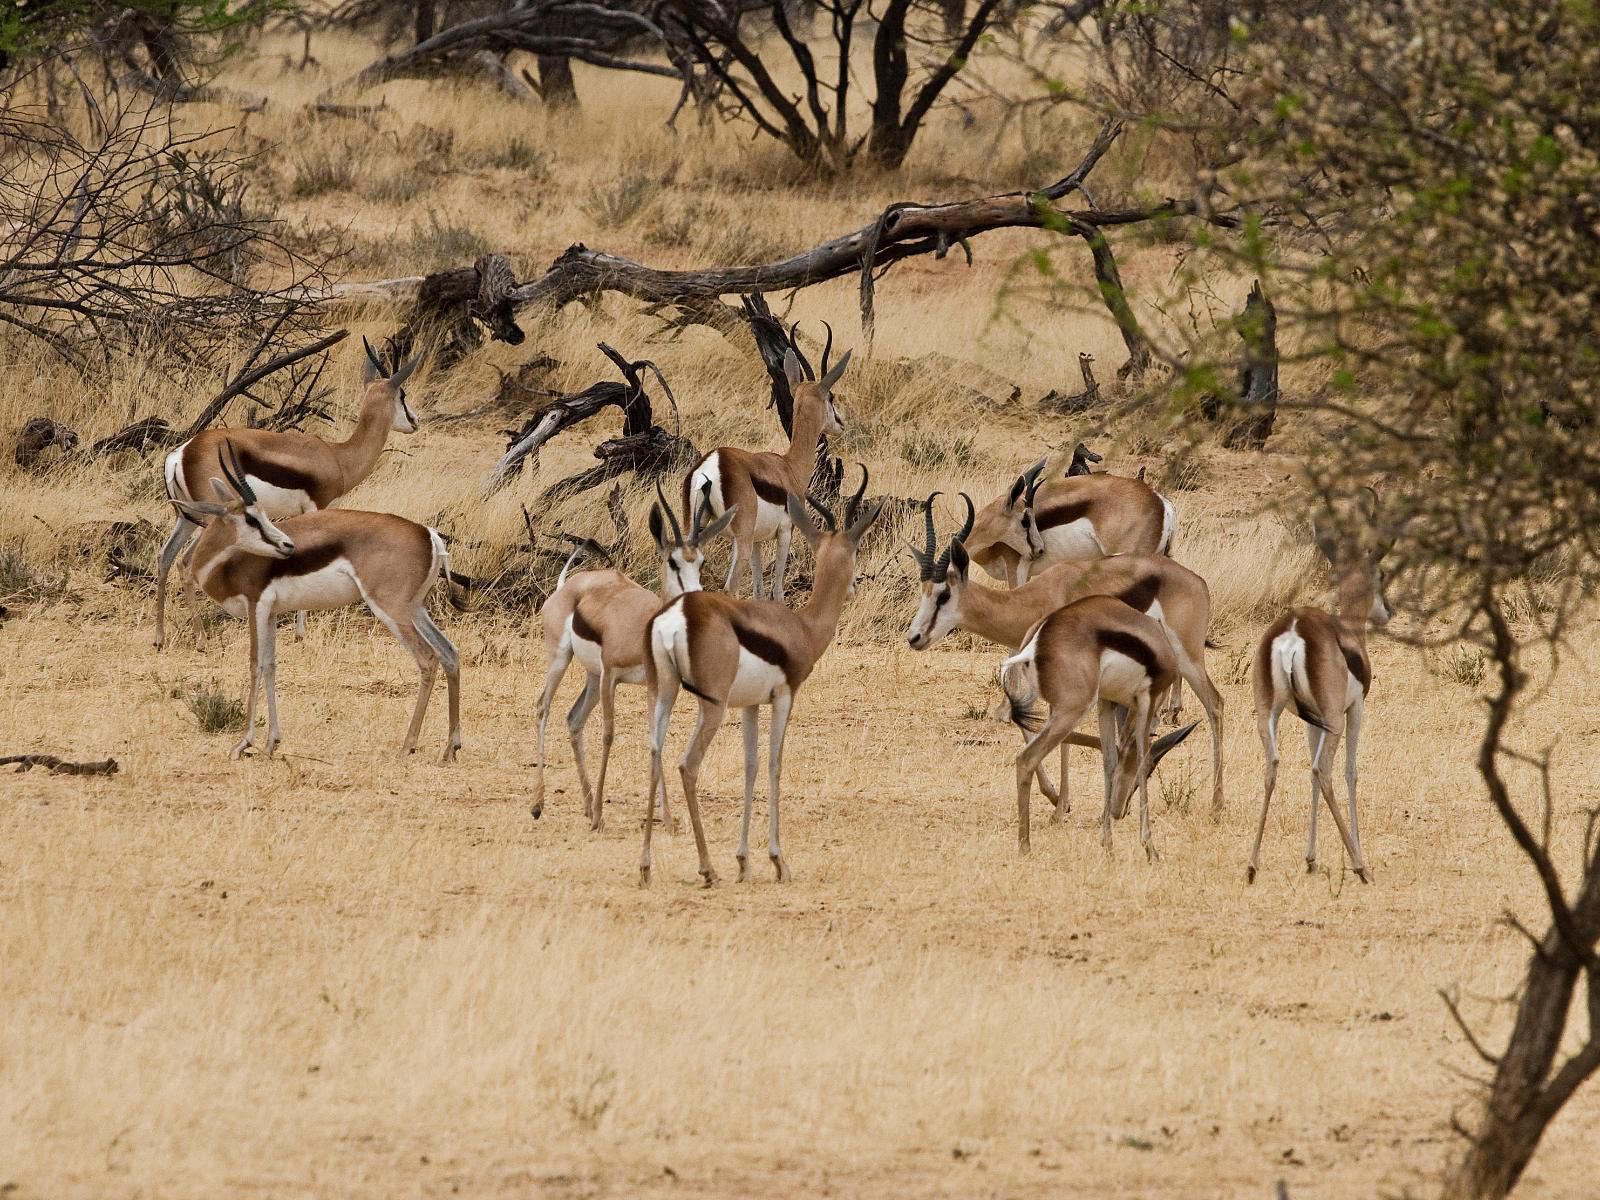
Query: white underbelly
{"x": 332, "y": 586}
{"x": 1121, "y": 679}
{"x": 280, "y": 502}
{"x": 756, "y": 682}
{"x": 769, "y": 519}
{"x": 586, "y": 652}
{"x": 1072, "y": 542}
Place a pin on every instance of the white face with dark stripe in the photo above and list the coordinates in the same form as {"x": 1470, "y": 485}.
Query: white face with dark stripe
{"x": 1381, "y": 612}
{"x": 938, "y": 614}
{"x": 405, "y": 420}
{"x": 682, "y": 572}
{"x": 254, "y": 533}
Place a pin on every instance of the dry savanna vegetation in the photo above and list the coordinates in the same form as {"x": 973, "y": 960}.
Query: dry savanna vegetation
{"x": 338, "y": 971}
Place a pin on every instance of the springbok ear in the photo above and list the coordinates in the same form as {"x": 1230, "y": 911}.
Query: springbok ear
{"x": 802, "y": 519}
{"x": 716, "y": 527}
{"x": 222, "y": 488}
{"x": 832, "y": 377}
{"x": 198, "y": 511}
{"x": 1017, "y": 489}
{"x": 1325, "y": 543}
{"x": 792, "y": 370}
{"x": 658, "y": 528}
{"x": 959, "y": 562}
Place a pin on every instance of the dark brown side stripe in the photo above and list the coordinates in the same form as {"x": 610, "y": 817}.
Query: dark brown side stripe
{"x": 302, "y": 563}
{"x": 771, "y": 492}
{"x": 1133, "y": 647}
{"x": 1142, "y": 594}
{"x": 762, "y": 647}
{"x": 1358, "y": 668}
{"x": 277, "y": 474}
{"x": 1064, "y": 514}
{"x": 581, "y": 627}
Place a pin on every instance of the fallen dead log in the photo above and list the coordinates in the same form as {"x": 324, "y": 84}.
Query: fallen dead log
{"x": 58, "y": 766}
{"x": 901, "y": 231}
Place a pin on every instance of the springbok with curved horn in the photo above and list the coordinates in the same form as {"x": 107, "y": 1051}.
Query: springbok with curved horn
{"x": 1036, "y": 525}
{"x": 324, "y": 559}
{"x": 759, "y": 483}
{"x": 291, "y": 472}
{"x": 600, "y": 618}
{"x": 1175, "y": 597}
{"x": 735, "y": 653}
{"x": 1094, "y": 650}
{"x": 1317, "y": 661}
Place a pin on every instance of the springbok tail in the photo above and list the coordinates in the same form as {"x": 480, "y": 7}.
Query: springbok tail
{"x": 561, "y": 579}
{"x": 1019, "y": 679}
{"x": 1289, "y": 675}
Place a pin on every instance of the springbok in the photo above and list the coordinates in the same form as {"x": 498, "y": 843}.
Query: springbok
{"x": 599, "y": 618}
{"x": 1317, "y": 661}
{"x": 1096, "y": 648}
{"x": 735, "y": 653}
{"x": 324, "y": 559}
{"x": 1034, "y": 526}
{"x": 1153, "y": 584}
{"x": 759, "y": 483}
{"x": 291, "y": 472}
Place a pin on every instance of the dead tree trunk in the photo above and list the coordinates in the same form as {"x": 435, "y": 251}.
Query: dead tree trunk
{"x": 556, "y": 86}
{"x": 1258, "y": 382}
{"x": 426, "y": 17}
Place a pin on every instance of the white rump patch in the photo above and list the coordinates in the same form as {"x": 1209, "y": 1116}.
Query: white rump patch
{"x": 177, "y": 486}
{"x": 709, "y": 471}
{"x": 668, "y": 632}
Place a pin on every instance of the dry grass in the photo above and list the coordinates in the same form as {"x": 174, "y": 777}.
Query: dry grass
{"x": 340, "y": 972}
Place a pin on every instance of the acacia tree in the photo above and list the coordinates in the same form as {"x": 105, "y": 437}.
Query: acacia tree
{"x": 1423, "y": 215}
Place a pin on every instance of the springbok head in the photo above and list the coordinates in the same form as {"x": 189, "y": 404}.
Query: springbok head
{"x": 376, "y": 375}
{"x": 682, "y": 557}
{"x": 834, "y": 542}
{"x": 818, "y": 391}
{"x": 944, "y": 578}
{"x": 251, "y": 529}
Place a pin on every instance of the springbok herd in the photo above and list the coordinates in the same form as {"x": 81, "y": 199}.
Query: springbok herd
{"x": 1095, "y": 611}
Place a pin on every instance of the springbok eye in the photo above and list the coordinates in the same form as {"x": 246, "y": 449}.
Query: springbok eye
{"x": 943, "y": 595}
{"x": 253, "y": 523}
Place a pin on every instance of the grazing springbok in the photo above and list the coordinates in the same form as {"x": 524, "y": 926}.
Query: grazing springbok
{"x": 1317, "y": 661}
{"x": 1034, "y": 525}
{"x": 599, "y": 618}
{"x": 291, "y": 472}
{"x": 324, "y": 559}
{"x": 735, "y": 653}
{"x": 1174, "y": 596}
{"x": 1094, "y": 649}
{"x": 759, "y": 483}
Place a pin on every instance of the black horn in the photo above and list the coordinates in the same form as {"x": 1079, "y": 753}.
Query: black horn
{"x": 823, "y": 511}
{"x": 924, "y": 556}
{"x": 827, "y": 349}
{"x": 940, "y": 567}
{"x": 672, "y": 517}
{"x": 234, "y": 473}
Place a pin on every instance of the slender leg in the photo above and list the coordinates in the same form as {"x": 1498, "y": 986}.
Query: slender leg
{"x": 756, "y": 570}
{"x": 428, "y": 673}
{"x": 1315, "y": 740}
{"x": 181, "y": 533}
{"x": 659, "y": 782}
{"x": 750, "y": 727}
{"x": 1211, "y": 701}
{"x": 1108, "y": 765}
{"x": 1352, "y": 733}
{"x": 785, "y": 532}
{"x": 577, "y": 718}
{"x": 1064, "y": 804}
{"x": 781, "y": 706}
{"x": 255, "y": 679}
{"x": 300, "y": 626}
{"x": 1267, "y": 728}
{"x": 711, "y": 715}
{"x": 660, "y": 716}
{"x": 1324, "y": 777}
{"x": 608, "y": 725}
{"x": 1137, "y": 733}
{"x": 559, "y": 659}
{"x": 731, "y": 581}
{"x": 269, "y": 676}
{"x": 1062, "y": 721}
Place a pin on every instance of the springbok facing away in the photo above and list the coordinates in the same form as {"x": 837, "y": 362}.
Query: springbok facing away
{"x": 599, "y": 618}
{"x": 1175, "y": 597}
{"x": 291, "y": 472}
{"x": 1035, "y": 526}
{"x": 759, "y": 483}
{"x": 326, "y": 559}
{"x": 744, "y": 654}
{"x": 1096, "y": 648}
{"x": 1317, "y": 661}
